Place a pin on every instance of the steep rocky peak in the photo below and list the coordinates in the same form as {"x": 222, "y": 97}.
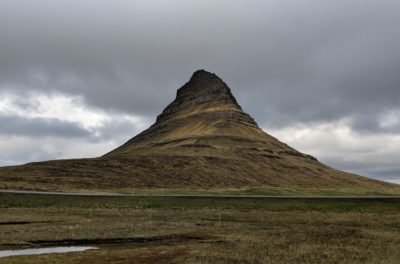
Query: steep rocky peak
{"x": 203, "y": 76}
{"x": 204, "y": 82}
{"x": 203, "y": 88}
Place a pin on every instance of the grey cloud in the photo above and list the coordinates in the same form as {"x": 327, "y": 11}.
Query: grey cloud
{"x": 114, "y": 129}
{"x": 11, "y": 157}
{"x": 369, "y": 124}
{"x": 26, "y": 103}
{"x": 286, "y": 61}
{"x": 378, "y": 170}
{"x": 118, "y": 130}
{"x": 383, "y": 173}
{"x": 20, "y": 158}
{"x": 38, "y": 127}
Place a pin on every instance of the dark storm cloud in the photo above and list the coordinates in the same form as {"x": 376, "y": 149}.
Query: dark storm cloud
{"x": 38, "y": 127}
{"x": 287, "y": 61}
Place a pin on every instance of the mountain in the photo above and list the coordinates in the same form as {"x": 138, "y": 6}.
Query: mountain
{"x": 202, "y": 140}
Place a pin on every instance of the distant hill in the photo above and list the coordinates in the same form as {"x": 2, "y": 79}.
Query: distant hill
{"x": 202, "y": 140}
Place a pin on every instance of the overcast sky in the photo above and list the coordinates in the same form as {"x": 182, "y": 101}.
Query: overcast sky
{"x": 80, "y": 77}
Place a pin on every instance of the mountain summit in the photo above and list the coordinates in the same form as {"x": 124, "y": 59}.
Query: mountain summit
{"x": 204, "y": 89}
{"x": 202, "y": 140}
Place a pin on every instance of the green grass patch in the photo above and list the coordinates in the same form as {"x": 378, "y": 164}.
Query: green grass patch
{"x": 65, "y": 201}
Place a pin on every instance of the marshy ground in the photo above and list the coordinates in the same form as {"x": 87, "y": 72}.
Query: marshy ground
{"x": 201, "y": 230}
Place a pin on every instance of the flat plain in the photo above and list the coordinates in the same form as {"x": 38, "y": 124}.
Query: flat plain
{"x": 201, "y": 230}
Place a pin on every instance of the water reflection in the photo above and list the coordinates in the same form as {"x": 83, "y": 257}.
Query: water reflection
{"x": 38, "y": 251}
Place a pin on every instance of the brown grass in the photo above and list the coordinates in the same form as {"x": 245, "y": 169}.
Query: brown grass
{"x": 223, "y": 231}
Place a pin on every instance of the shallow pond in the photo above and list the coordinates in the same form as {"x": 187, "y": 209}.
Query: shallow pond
{"x": 38, "y": 251}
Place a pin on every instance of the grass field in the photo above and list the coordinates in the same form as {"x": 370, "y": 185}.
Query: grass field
{"x": 201, "y": 230}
